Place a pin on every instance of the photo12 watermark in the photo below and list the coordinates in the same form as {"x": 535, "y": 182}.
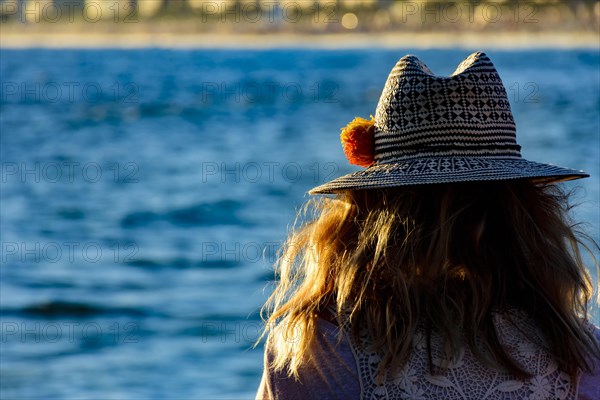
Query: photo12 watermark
{"x": 72, "y": 252}
{"x": 237, "y": 251}
{"x": 268, "y": 92}
{"x": 242, "y": 332}
{"x": 69, "y": 92}
{"x": 267, "y": 11}
{"x": 266, "y": 172}
{"x": 466, "y": 12}
{"x": 249, "y": 251}
{"x": 69, "y": 11}
{"x": 69, "y": 172}
{"x": 523, "y": 92}
{"x": 31, "y": 332}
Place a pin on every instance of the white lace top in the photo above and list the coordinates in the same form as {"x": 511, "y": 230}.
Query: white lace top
{"x": 342, "y": 370}
{"x": 466, "y": 377}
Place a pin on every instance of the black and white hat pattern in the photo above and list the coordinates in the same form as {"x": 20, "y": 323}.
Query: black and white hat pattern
{"x": 433, "y": 129}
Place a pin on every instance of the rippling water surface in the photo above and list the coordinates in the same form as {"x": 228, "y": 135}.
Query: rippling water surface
{"x": 144, "y": 194}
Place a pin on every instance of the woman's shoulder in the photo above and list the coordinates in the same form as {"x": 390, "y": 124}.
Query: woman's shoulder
{"x": 594, "y": 331}
{"x": 329, "y": 371}
{"x": 589, "y": 388}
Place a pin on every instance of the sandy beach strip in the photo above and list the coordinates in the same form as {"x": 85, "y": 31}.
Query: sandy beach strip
{"x": 11, "y": 38}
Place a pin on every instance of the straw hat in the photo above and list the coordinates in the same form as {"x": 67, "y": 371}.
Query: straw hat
{"x": 431, "y": 129}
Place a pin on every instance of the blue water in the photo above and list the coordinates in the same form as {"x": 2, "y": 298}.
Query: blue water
{"x": 144, "y": 194}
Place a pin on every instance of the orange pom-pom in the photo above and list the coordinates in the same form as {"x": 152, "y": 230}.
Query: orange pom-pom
{"x": 358, "y": 141}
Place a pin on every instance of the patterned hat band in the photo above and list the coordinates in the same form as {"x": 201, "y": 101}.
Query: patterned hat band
{"x": 386, "y": 152}
{"x": 434, "y": 129}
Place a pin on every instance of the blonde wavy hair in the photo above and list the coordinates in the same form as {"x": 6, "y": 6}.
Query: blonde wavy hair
{"x": 448, "y": 254}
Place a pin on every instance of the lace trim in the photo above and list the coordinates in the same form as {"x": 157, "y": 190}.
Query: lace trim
{"x": 465, "y": 378}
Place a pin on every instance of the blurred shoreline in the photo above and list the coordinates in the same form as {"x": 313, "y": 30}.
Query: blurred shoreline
{"x": 11, "y": 38}
{"x": 258, "y": 24}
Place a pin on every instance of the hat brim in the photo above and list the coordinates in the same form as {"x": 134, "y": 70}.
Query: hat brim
{"x": 435, "y": 170}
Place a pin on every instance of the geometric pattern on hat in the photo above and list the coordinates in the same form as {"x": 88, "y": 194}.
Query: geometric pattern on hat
{"x": 435, "y": 129}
